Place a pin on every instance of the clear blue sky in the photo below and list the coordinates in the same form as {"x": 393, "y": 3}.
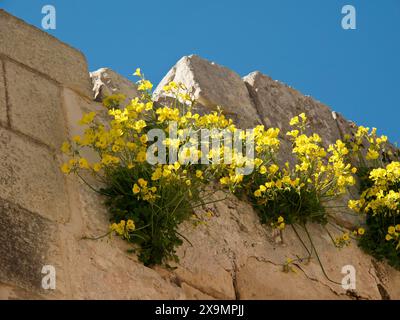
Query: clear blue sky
{"x": 356, "y": 72}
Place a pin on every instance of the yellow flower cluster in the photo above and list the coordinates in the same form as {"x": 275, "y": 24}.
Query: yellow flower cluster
{"x": 368, "y": 139}
{"x": 123, "y": 228}
{"x": 393, "y": 234}
{"x": 343, "y": 240}
{"x": 326, "y": 172}
{"x": 121, "y": 144}
{"x": 381, "y": 197}
{"x": 330, "y": 177}
{"x": 143, "y": 191}
{"x": 279, "y": 223}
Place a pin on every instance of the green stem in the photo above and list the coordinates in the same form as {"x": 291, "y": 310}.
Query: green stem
{"x": 316, "y": 254}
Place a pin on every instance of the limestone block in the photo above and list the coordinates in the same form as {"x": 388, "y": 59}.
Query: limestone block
{"x": 75, "y": 107}
{"x": 26, "y": 245}
{"x": 30, "y": 176}
{"x": 35, "y": 105}
{"x": 213, "y": 85}
{"x": 44, "y": 53}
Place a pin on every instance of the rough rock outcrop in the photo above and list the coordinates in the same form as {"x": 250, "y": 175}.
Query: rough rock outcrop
{"x": 277, "y": 103}
{"x": 213, "y": 85}
{"x": 107, "y": 82}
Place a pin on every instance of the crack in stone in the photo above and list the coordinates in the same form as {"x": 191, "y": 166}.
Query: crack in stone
{"x": 254, "y": 101}
{"x": 234, "y": 277}
{"x": 379, "y": 279}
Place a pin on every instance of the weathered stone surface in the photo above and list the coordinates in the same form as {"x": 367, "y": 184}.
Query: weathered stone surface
{"x": 234, "y": 243}
{"x": 102, "y": 269}
{"x": 213, "y": 85}
{"x": 264, "y": 281}
{"x": 3, "y": 102}
{"x": 30, "y": 176}
{"x": 278, "y": 103}
{"x": 107, "y": 82}
{"x": 25, "y": 241}
{"x": 194, "y": 294}
{"x": 40, "y": 51}
{"x": 388, "y": 279}
{"x": 12, "y": 292}
{"x": 75, "y": 106}
{"x": 35, "y": 105}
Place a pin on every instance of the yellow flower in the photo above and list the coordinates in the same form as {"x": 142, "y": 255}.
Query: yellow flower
{"x": 372, "y": 155}
{"x": 72, "y": 162}
{"x": 157, "y": 174}
{"x": 83, "y": 163}
{"x": 199, "y": 173}
{"x": 143, "y": 139}
{"x": 258, "y": 162}
{"x": 263, "y": 170}
{"x": 131, "y": 146}
{"x": 130, "y": 225}
{"x": 139, "y": 125}
{"x": 142, "y": 182}
{"x": 273, "y": 169}
{"x": 391, "y": 230}
{"x": 281, "y": 226}
{"x": 137, "y": 72}
{"x": 388, "y": 237}
{"x": 66, "y": 147}
{"x": 141, "y": 156}
{"x": 97, "y": 167}
{"x": 346, "y": 237}
{"x": 361, "y": 231}
{"x": 188, "y": 182}
{"x": 293, "y": 133}
{"x": 177, "y": 165}
{"x": 294, "y": 121}
{"x": 280, "y": 219}
{"x": 257, "y": 193}
{"x": 145, "y": 85}
{"x": 224, "y": 180}
{"x": 65, "y": 168}
{"x": 87, "y": 118}
{"x": 148, "y": 106}
{"x": 135, "y": 189}
{"x": 303, "y": 116}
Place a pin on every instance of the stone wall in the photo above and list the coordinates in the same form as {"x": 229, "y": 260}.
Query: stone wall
{"x": 44, "y": 88}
